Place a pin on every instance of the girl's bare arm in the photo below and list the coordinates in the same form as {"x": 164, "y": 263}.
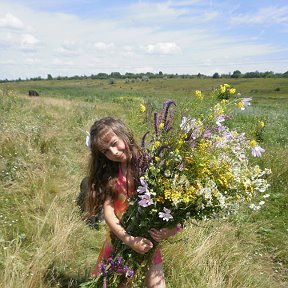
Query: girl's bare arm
{"x": 139, "y": 244}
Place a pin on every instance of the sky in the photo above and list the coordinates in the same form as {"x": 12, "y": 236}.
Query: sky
{"x": 84, "y": 37}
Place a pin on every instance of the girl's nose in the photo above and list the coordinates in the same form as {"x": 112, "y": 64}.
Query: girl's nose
{"x": 114, "y": 150}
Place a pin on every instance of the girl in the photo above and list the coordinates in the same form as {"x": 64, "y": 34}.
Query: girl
{"x": 113, "y": 178}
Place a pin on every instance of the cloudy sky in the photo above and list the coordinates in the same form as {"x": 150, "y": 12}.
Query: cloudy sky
{"x": 84, "y": 37}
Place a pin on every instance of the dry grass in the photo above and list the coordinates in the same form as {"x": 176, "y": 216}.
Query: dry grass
{"x": 218, "y": 255}
{"x": 45, "y": 244}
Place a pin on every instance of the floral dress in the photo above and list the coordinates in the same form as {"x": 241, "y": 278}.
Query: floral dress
{"x": 120, "y": 206}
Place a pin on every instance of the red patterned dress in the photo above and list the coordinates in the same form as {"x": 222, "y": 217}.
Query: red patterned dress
{"x": 120, "y": 206}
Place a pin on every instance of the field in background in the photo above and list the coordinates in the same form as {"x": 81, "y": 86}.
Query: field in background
{"x": 43, "y": 158}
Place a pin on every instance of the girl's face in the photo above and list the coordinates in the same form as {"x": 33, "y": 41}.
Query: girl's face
{"x": 113, "y": 147}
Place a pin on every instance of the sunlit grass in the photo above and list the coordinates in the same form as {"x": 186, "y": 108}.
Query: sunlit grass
{"x": 43, "y": 158}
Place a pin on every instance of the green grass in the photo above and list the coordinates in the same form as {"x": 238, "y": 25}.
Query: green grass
{"x": 43, "y": 158}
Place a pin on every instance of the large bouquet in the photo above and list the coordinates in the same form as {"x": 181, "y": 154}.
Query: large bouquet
{"x": 197, "y": 168}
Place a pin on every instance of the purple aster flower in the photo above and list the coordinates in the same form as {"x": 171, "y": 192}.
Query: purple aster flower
{"x": 166, "y": 215}
{"x": 130, "y": 273}
{"x": 145, "y": 200}
{"x": 220, "y": 118}
{"x": 257, "y": 151}
{"x": 180, "y": 167}
{"x": 245, "y": 103}
{"x": 207, "y": 133}
{"x": 144, "y": 186}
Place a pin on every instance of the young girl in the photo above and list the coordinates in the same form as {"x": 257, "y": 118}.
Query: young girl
{"x": 114, "y": 174}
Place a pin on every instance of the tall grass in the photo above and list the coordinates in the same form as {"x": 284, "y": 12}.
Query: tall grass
{"x": 43, "y": 158}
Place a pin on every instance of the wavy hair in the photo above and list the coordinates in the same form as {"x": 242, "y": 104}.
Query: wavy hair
{"x": 103, "y": 172}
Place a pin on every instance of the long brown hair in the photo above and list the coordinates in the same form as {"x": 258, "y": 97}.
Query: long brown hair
{"x": 102, "y": 171}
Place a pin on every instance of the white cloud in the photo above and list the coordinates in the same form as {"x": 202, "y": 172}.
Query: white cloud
{"x": 67, "y": 50}
{"x": 163, "y": 48}
{"x": 268, "y": 15}
{"x": 11, "y": 21}
{"x": 61, "y": 62}
{"x": 154, "y": 12}
{"x": 28, "y": 42}
{"x": 31, "y": 61}
{"x": 172, "y": 36}
{"x": 103, "y": 46}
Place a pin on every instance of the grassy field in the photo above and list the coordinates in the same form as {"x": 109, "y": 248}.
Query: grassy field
{"x": 43, "y": 158}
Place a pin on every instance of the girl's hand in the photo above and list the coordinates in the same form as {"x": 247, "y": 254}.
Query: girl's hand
{"x": 140, "y": 245}
{"x": 162, "y": 234}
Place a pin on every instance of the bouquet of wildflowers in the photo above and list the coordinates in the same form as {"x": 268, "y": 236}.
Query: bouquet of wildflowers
{"x": 197, "y": 168}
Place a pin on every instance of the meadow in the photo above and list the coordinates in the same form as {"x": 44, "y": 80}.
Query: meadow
{"x": 43, "y": 157}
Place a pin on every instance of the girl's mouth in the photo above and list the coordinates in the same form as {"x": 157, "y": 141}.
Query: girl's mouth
{"x": 121, "y": 156}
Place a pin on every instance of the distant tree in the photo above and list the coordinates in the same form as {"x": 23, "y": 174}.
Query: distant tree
{"x": 268, "y": 74}
{"x": 255, "y": 74}
{"x": 102, "y": 76}
{"x": 160, "y": 73}
{"x": 130, "y": 75}
{"x": 115, "y": 75}
{"x": 216, "y": 75}
{"x": 49, "y": 77}
{"x": 236, "y": 74}
{"x": 285, "y": 74}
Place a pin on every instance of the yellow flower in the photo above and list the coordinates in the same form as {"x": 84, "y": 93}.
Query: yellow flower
{"x": 189, "y": 160}
{"x": 161, "y": 126}
{"x": 157, "y": 144}
{"x": 240, "y": 105}
{"x": 157, "y": 159}
{"x": 253, "y": 143}
{"x": 232, "y": 91}
{"x": 222, "y": 89}
{"x": 198, "y": 94}
{"x": 142, "y": 108}
{"x": 180, "y": 142}
{"x": 223, "y": 181}
{"x": 261, "y": 124}
{"x": 238, "y": 94}
{"x": 226, "y": 85}
{"x": 183, "y": 136}
{"x": 160, "y": 199}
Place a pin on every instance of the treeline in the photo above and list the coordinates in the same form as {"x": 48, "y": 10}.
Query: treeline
{"x": 149, "y": 75}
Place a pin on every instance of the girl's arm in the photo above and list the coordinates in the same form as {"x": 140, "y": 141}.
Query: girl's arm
{"x": 139, "y": 244}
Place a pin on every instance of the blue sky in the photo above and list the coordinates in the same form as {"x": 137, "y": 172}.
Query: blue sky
{"x": 73, "y": 37}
